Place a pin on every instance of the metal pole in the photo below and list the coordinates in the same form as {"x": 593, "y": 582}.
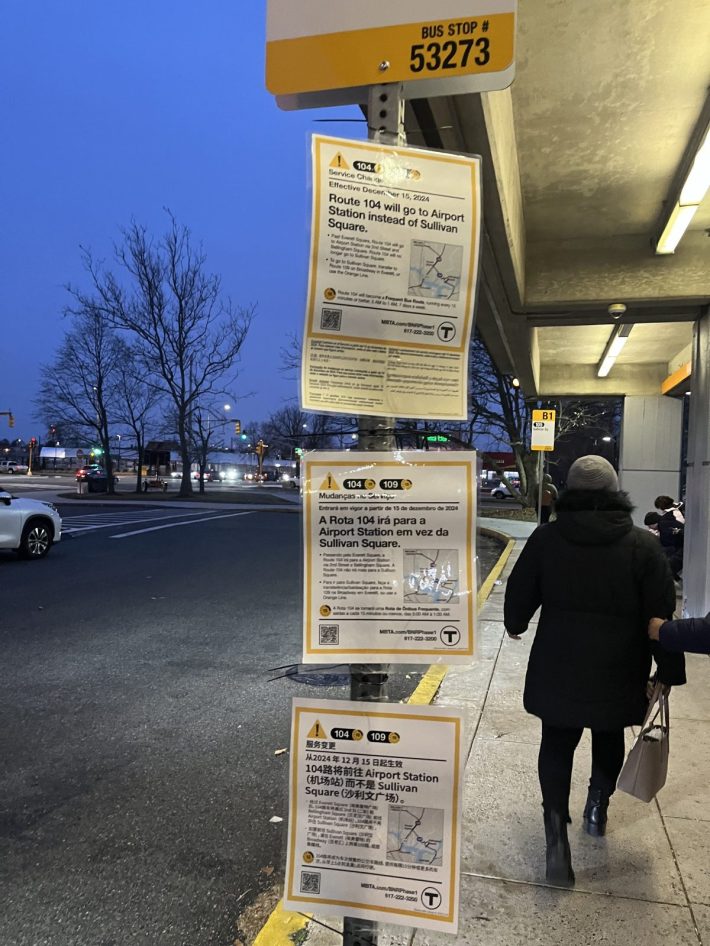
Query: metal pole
{"x": 539, "y": 486}
{"x": 385, "y": 119}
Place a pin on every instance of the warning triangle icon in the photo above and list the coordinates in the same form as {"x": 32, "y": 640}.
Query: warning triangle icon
{"x": 316, "y": 731}
{"x": 340, "y": 163}
{"x": 329, "y": 482}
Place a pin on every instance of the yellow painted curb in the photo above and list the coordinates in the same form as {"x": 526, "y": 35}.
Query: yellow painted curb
{"x": 495, "y": 572}
{"x": 434, "y": 677}
{"x": 428, "y": 685}
{"x": 281, "y": 926}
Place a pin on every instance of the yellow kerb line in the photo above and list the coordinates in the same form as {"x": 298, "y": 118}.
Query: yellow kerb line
{"x": 279, "y": 929}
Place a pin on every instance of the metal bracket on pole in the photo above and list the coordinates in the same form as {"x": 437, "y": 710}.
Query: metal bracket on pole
{"x": 385, "y": 114}
{"x": 385, "y": 123}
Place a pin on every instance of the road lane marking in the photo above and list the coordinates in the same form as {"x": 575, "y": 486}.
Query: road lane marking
{"x": 174, "y": 525}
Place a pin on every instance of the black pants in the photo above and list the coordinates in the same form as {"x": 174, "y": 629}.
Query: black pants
{"x": 556, "y": 758}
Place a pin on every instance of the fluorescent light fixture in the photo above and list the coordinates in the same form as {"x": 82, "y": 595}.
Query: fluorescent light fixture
{"x": 678, "y": 223}
{"x": 618, "y": 338}
{"x": 689, "y": 188}
{"x": 605, "y": 366}
{"x": 698, "y": 180}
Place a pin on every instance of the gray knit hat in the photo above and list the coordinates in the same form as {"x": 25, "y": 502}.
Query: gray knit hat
{"x": 592, "y": 472}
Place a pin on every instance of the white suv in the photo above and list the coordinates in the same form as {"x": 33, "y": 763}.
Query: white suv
{"x": 13, "y": 466}
{"x": 28, "y": 526}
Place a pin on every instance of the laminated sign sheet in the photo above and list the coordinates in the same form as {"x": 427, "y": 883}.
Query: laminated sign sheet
{"x": 392, "y": 282}
{"x": 375, "y": 812}
{"x": 389, "y": 556}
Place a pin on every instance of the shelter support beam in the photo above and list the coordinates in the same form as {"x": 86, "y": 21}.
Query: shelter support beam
{"x": 650, "y": 450}
{"x": 696, "y": 570}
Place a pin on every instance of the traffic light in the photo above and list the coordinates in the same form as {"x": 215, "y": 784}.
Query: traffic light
{"x": 33, "y": 441}
{"x": 237, "y": 426}
{"x": 11, "y": 420}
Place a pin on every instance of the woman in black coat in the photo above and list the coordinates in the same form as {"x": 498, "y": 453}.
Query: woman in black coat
{"x": 598, "y": 579}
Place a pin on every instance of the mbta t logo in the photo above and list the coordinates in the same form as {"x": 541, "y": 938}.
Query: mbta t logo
{"x": 450, "y": 635}
{"x": 431, "y": 898}
{"x": 446, "y": 331}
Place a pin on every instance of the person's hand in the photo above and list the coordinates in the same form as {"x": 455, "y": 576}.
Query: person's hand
{"x": 654, "y": 627}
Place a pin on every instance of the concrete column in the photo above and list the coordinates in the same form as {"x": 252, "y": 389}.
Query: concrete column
{"x": 696, "y": 576}
{"x": 649, "y": 463}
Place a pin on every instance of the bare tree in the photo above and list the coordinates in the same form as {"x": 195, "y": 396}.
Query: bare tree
{"x": 291, "y": 356}
{"x": 290, "y": 428}
{"x": 79, "y": 388}
{"x": 186, "y": 333}
{"x": 137, "y": 403}
{"x": 499, "y": 410}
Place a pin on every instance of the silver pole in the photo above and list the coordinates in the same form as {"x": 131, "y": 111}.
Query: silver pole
{"x": 368, "y": 682}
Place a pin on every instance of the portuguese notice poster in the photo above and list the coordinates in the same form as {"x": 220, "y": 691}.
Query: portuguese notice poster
{"x": 389, "y": 549}
{"x": 375, "y": 812}
{"x": 395, "y": 238}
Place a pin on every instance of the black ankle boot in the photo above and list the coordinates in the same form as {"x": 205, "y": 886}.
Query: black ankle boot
{"x": 559, "y": 858}
{"x": 595, "y": 813}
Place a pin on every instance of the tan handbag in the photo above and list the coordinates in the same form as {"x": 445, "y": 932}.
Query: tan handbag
{"x": 646, "y": 767}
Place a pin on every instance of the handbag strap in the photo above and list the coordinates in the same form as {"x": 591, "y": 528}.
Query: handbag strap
{"x": 653, "y": 705}
{"x": 658, "y": 707}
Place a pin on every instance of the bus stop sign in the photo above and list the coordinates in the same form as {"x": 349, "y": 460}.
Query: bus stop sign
{"x": 543, "y": 430}
{"x": 445, "y": 48}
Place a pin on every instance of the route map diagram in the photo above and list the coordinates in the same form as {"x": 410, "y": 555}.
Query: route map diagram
{"x": 431, "y": 576}
{"x": 415, "y": 835}
{"x": 435, "y": 270}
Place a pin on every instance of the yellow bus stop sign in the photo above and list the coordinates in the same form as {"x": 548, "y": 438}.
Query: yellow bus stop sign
{"x": 436, "y": 48}
{"x": 543, "y": 430}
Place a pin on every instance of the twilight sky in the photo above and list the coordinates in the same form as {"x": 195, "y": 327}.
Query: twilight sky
{"x": 115, "y": 109}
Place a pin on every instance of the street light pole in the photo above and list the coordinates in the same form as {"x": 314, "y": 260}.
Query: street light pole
{"x": 227, "y": 409}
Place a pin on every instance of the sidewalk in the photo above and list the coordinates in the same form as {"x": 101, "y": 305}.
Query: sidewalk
{"x": 647, "y": 882}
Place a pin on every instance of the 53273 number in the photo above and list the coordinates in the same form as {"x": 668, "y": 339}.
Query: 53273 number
{"x": 449, "y": 55}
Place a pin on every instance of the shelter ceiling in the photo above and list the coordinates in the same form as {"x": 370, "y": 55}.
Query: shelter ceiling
{"x": 584, "y": 344}
{"x": 605, "y": 100}
{"x": 579, "y": 156}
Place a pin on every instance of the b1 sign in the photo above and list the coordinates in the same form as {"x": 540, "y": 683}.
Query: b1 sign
{"x": 543, "y": 430}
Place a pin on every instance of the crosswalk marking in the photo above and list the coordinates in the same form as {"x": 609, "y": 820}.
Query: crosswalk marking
{"x": 175, "y": 525}
{"x": 93, "y": 521}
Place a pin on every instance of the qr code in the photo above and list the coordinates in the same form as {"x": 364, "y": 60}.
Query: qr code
{"x": 310, "y": 882}
{"x": 330, "y": 318}
{"x": 328, "y": 633}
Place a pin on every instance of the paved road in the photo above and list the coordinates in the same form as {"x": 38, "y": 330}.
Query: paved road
{"x": 139, "y": 728}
